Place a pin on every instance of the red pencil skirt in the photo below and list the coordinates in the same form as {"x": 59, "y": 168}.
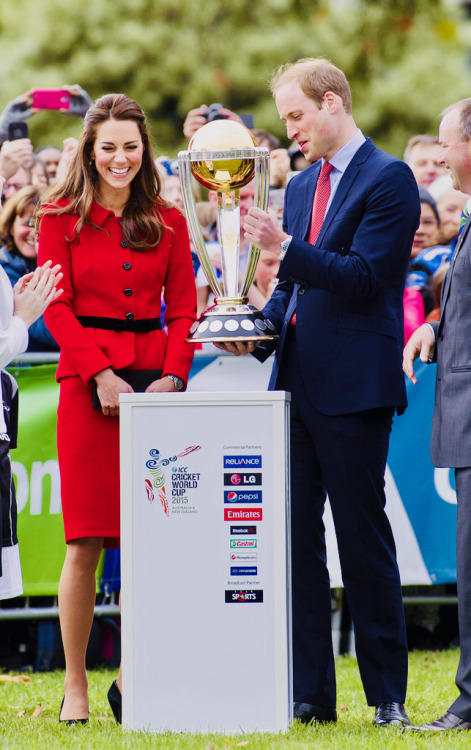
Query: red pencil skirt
{"x": 88, "y": 451}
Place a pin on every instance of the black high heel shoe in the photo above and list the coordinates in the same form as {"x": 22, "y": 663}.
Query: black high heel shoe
{"x": 115, "y": 699}
{"x": 70, "y": 722}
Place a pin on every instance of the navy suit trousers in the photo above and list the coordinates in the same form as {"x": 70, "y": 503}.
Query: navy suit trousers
{"x": 345, "y": 456}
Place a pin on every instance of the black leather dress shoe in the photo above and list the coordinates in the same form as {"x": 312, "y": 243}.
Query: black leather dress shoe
{"x": 115, "y": 700}
{"x": 389, "y": 714}
{"x": 308, "y": 713}
{"x": 446, "y": 723}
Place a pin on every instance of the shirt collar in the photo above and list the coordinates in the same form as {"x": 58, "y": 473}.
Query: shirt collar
{"x": 342, "y": 158}
{"x": 99, "y": 214}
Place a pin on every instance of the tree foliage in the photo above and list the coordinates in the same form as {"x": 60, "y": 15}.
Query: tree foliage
{"x": 405, "y": 59}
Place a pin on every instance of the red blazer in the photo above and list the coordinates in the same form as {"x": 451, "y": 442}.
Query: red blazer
{"x": 106, "y": 279}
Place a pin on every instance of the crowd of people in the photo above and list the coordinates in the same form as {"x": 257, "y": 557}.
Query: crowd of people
{"x": 30, "y": 172}
{"x": 96, "y": 249}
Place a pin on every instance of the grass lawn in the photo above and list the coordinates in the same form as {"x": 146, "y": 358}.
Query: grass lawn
{"x": 29, "y": 713}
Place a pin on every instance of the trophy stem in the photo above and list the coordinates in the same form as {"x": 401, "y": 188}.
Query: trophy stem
{"x": 229, "y": 239}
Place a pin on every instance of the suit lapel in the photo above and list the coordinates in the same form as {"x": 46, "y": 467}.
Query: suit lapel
{"x": 345, "y": 185}
{"x": 447, "y": 282}
{"x": 308, "y": 202}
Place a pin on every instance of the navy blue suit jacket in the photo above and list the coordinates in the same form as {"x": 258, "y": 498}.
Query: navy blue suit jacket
{"x": 347, "y": 290}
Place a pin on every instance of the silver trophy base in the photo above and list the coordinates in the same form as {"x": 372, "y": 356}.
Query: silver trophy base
{"x": 231, "y": 322}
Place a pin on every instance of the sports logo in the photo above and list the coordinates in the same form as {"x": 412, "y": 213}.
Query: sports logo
{"x": 242, "y": 597}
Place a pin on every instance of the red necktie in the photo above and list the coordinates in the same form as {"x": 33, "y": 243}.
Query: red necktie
{"x": 321, "y": 199}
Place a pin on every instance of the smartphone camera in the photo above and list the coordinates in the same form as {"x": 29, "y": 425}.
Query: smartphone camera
{"x": 17, "y": 130}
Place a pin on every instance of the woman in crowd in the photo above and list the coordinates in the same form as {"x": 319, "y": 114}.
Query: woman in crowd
{"x": 19, "y": 308}
{"x": 119, "y": 244}
{"x": 19, "y": 254}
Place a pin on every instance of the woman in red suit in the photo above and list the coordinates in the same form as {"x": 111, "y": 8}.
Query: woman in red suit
{"x": 120, "y": 244}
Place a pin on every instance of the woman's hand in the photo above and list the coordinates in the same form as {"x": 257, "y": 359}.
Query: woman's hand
{"x": 35, "y": 291}
{"x": 109, "y": 386}
{"x": 164, "y": 385}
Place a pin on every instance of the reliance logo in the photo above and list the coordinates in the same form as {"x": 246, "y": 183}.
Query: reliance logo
{"x": 241, "y": 462}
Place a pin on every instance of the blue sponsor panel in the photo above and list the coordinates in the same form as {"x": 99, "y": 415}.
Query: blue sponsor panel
{"x": 242, "y": 462}
{"x": 432, "y": 515}
{"x": 243, "y": 496}
{"x": 248, "y": 571}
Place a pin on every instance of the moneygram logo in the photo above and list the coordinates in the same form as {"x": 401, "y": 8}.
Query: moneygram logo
{"x": 243, "y": 543}
{"x": 244, "y": 478}
{"x": 243, "y": 514}
{"x": 243, "y": 557}
{"x": 243, "y": 597}
{"x": 241, "y": 462}
{"x": 242, "y": 496}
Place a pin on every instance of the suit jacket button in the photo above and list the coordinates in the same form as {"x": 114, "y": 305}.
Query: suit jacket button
{"x": 302, "y": 290}
{"x": 128, "y": 292}
{"x": 129, "y": 316}
{"x": 127, "y": 266}
{"x": 123, "y": 244}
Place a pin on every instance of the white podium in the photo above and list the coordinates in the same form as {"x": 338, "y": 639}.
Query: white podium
{"x": 206, "y": 611}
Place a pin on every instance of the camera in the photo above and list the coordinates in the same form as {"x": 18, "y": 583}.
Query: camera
{"x": 213, "y": 113}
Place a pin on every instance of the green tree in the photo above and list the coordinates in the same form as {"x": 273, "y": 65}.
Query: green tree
{"x": 405, "y": 59}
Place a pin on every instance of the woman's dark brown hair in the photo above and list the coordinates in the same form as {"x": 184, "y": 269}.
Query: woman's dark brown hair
{"x": 141, "y": 225}
{"x": 27, "y": 197}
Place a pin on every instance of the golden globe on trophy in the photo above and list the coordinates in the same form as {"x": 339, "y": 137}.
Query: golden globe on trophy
{"x": 223, "y": 156}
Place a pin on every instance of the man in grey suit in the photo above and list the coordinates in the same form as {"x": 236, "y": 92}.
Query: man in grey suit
{"x": 448, "y": 342}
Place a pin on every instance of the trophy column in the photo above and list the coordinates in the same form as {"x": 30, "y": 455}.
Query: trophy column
{"x": 223, "y": 156}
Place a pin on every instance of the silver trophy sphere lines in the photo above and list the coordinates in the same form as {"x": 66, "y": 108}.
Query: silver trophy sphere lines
{"x": 223, "y": 156}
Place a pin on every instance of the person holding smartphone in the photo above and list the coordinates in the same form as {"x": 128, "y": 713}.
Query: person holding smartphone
{"x": 120, "y": 245}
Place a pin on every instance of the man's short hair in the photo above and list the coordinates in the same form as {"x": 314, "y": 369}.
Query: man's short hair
{"x": 464, "y": 106}
{"x": 316, "y": 76}
{"x": 426, "y": 139}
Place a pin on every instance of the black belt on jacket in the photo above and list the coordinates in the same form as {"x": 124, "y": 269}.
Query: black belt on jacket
{"x": 118, "y": 324}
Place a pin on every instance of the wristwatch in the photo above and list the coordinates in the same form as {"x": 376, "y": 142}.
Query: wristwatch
{"x": 179, "y": 383}
{"x": 284, "y": 247}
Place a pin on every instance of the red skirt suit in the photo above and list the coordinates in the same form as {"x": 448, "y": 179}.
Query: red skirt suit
{"x": 105, "y": 278}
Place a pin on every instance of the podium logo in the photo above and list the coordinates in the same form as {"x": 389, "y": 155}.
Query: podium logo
{"x": 244, "y": 543}
{"x": 243, "y": 514}
{"x": 241, "y": 462}
{"x": 242, "y": 497}
{"x": 247, "y": 571}
{"x": 244, "y": 478}
{"x": 246, "y": 530}
{"x": 242, "y": 597}
{"x": 243, "y": 557}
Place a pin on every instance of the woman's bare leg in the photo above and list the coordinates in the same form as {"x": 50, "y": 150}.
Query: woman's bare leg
{"x": 77, "y": 589}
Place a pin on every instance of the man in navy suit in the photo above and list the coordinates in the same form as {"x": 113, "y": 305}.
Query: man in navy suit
{"x": 338, "y": 309}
